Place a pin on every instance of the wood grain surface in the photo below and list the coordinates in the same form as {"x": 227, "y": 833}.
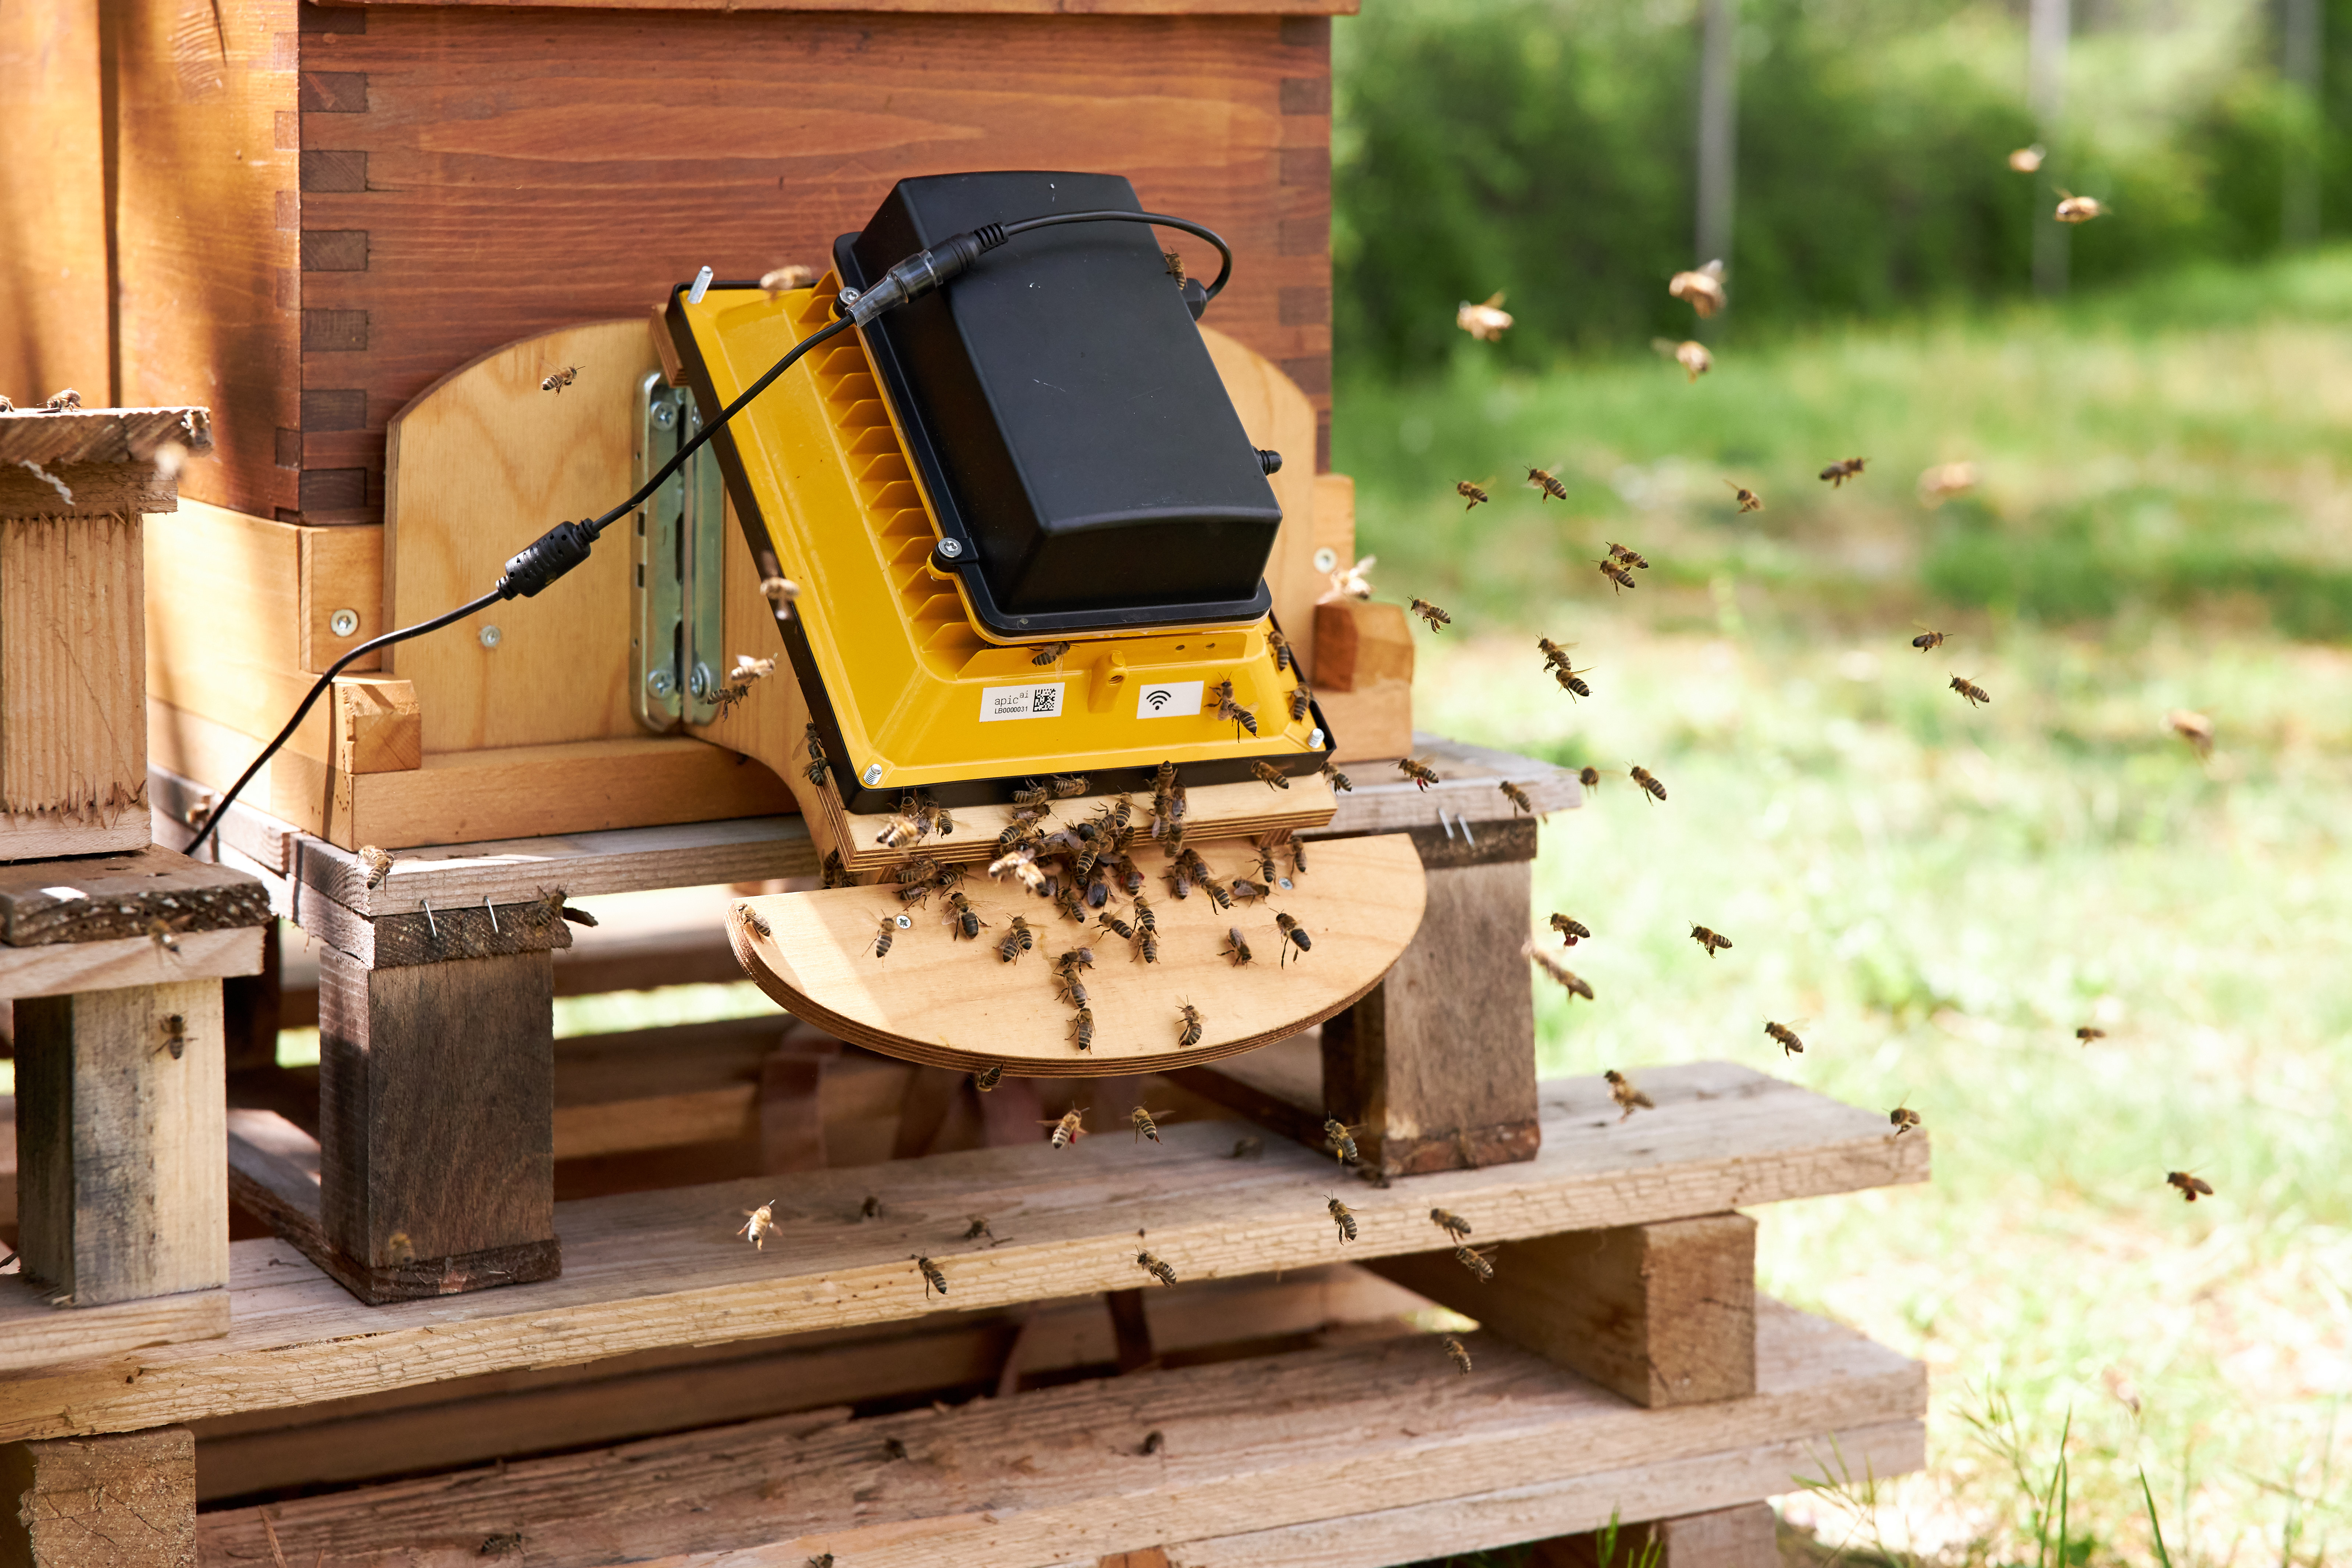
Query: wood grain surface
{"x": 936, "y": 999}
{"x": 122, "y": 1501}
{"x": 124, "y": 895}
{"x": 53, "y": 275}
{"x": 131, "y": 436}
{"x": 648, "y": 1270}
{"x": 73, "y": 741}
{"x": 60, "y": 968}
{"x": 33, "y": 1332}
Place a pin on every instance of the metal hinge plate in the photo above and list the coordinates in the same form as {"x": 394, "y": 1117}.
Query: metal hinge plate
{"x": 674, "y": 663}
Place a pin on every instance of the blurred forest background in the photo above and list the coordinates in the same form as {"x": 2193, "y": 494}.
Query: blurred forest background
{"x": 2161, "y": 520}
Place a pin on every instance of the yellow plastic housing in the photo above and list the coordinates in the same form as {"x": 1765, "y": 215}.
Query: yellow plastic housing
{"x": 908, "y": 675}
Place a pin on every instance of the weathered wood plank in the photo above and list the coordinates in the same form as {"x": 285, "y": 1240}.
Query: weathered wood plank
{"x": 122, "y": 1501}
{"x": 61, "y": 968}
{"x": 33, "y": 1332}
{"x": 116, "y": 436}
{"x": 72, "y": 684}
{"x": 132, "y": 894}
{"x": 647, "y": 1270}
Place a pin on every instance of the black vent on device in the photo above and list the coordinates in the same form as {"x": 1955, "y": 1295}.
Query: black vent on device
{"x": 1070, "y": 427}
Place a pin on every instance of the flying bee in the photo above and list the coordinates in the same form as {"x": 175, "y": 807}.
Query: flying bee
{"x": 1455, "y": 1226}
{"x": 1971, "y": 690}
{"x": 1748, "y": 499}
{"x": 1047, "y": 653}
{"x": 988, "y": 1078}
{"x": 1571, "y": 930}
{"x": 2025, "y": 160}
{"x": 1477, "y": 1262}
{"x": 1292, "y": 935}
{"x": 1339, "y": 1137}
{"x": 758, "y": 1225}
{"x": 1471, "y": 493}
{"x": 1555, "y": 654}
{"x": 1628, "y": 1098}
{"x": 891, "y": 925}
{"x": 932, "y": 1279}
{"x": 1572, "y": 680}
{"x": 1301, "y": 700}
{"x": 1629, "y": 557}
{"x": 1279, "y": 646}
{"x": 560, "y": 379}
{"x": 1844, "y": 469}
{"x": 783, "y": 279}
{"x": 1340, "y": 781}
{"x": 1069, "y": 1130}
{"x": 1190, "y": 1036}
{"x": 1712, "y": 941}
{"x": 1902, "y": 1119}
{"x": 2078, "y": 209}
{"x": 1116, "y": 926}
{"x": 1235, "y": 947}
{"x": 1458, "y": 1354}
{"x": 1790, "y": 1046}
{"x": 173, "y": 1027}
{"x": 1589, "y": 776}
{"x": 1546, "y": 486}
{"x": 1082, "y": 1030}
{"x": 1017, "y": 941}
{"x": 2090, "y": 1032}
{"x": 1157, "y": 1269}
{"x": 1701, "y": 289}
{"x": 1145, "y": 1127}
{"x": 2194, "y": 728}
{"x": 755, "y": 920}
{"x": 977, "y": 1228}
{"x": 2191, "y": 1186}
{"x": 1648, "y": 781}
{"x": 1616, "y": 574}
{"x": 1517, "y": 798}
{"x": 1421, "y": 774}
{"x": 1343, "y": 1216}
{"x": 1438, "y": 619}
{"x": 1927, "y": 638}
{"x": 1573, "y": 982}
{"x": 1266, "y": 773}
{"x": 816, "y": 762}
{"x": 1485, "y": 323}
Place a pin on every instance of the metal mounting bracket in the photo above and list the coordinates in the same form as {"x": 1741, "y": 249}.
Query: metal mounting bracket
{"x": 676, "y": 665}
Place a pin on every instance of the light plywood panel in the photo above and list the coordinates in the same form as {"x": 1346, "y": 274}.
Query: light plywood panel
{"x": 1277, "y": 416}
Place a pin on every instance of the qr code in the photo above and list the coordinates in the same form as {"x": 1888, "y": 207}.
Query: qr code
{"x": 1045, "y": 698}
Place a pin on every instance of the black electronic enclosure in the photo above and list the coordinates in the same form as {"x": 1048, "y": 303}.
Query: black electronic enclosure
{"x": 1070, "y": 427}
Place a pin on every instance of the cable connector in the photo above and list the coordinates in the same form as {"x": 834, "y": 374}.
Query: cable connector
{"x": 546, "y": 558}
{"x": 921, "y": 274}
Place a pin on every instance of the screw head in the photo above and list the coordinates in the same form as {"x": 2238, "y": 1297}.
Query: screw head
{"x": 700, "y": 681}
{"x": 343, "y": 622}
{"x": 952, "y": 548}
{"x": 490, "y": 637}
{"x": 1326, "y": 560}
{"x": 905, "y": 922}
{"x": 661, "y": 682}
{"x": 665, "y": 415}
{"x": 850, "y": 296}
{"x": 873, "y": 774}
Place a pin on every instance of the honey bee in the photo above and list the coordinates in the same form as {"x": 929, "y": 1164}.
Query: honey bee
{"x": 1071, "y": 989}
{"x": 758, "y": 922}
{"x": 1249, "y": 892}
{"x": 560, "y": 379}
{"x": 1589, "y": 776}
{"x": 69, "y": 399}
{"x": 1420, "y": 774}
{"x": 893, "y": 1447}
{"x": 1648, "y": 781}
{"x": 1474, "y": 494}
{"x": 1485, "y": 323}
{"x": 1971, "y": 690}
{"x": 1572, "y": 680}
{"x": 1455, "y": 1226}
{"x": 1153, "y": 1442}
{"x": 1710, "y": 939}
{"x": 1032, "y": 793}
{"x": 1116, "y": 926}
{"x": 1144, "y": 920}
{"x": 1279, "y": 646}
{"x": 1228, "y": 708}
{"x": 1844, "y": 469}
{"x": 1235, "y": 947}
{"x": 174, "y": 1030}
{"x": 1217, "y": 895}
{"x": 1301, "y": 700}
{"x": 1157, "y": 1269}
{"x": 1701, "y": 289}
{"x": 964, "y": 918}
{"x": 1017, "y": 941}
{"x": 1298, "y": 857}
{"x": 870, "y": 1209}
{"x": 1517, "y": 798}
{"x": 1547, "y": 485}
{"x": 378, "y": 864}
{"x": 977, "y": 1228}
{"x": 1902, "y": 1119}
{"x": 2191, "y": 1185}
{"x": 2090, "y": 1032}
{"x": 1292, "y": 935}
{"x": 1266, "y": 773}
{"x": 1631, "y": 558}
{"x": 2194, "y": 728}
{"x": 1477, "y": 1262}
{"x": 1070, "y": 962}
{"x": 1926, "y": 639}
{"x": 1082, "y": 1029}
{"x": 1628, "y": 1098}
{"x": 1145, "y": 1127}
{"x": 1555, "y": 655}
{"x": 1339, "y": 1137}
{"x": 1047, "y": 653}
{"x": 2026, "y": 160}
{"x": 1339, "y": 780}
{"x": 1748, "y": 499}
{"x": 1175, "y": 265}
{"x": 1022, "y": 864}
{"x": 1692, "y": 356}
{"x": 1460, "y": 1355}
{"x": 891, "y": 925}
{"x": 816, "y": 762}
{"x": 1069, "y": 1130}
{"x": 2078, "y": 209}
{"x": 1343, "y": 1216}
{"x": 783, "y": 279}
{"x": 1790, "y": 1046}
{"x": 1067, "y": 899}
{"x": 988, "y": 1078}
{"x": 932, "y": 1279}
{"x": 1617, "y": 574}
{"x": 836, "y": 875}
{"x": 1067, "y": 786}
{"x": 1147, "y": 947}
{"x": 758, "y": 1225}
{"x": 900, "y": 829}
{"x": 1573, "y": 982}
{"x": 1438, "y": 619}
{"x": 1571, "y": 932}
{"x": 1190, "y": 1036}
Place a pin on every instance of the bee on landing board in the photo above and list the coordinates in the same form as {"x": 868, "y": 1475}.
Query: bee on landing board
{"x": 977, "y": 1228}
{"x": 1571, "y": 930}
{"x": 1438, "y": 619}
{"x": 1713, "y": 940}
{"x": 1517, "y": 798}
{"x": 1455, "y": 1226}
{"x": 758, "y": 1225}
{"x": 1616, "y": 574}
{"x": 1189, "y": 1035}
{"x": 836, "y": 875}
{"x": 1082, "y": 1030}
{"x": 1927, "y": 638}
{"x": 1476, "y": 495}
{"x": 1575, "y": 984}
{"x": 1457, "y": 1353}
{"x": 964, "y": 918}
{"x": 1748, "y": 499}
{"x": 1701, "y": 289}
{"x": 891, "y": 926}
{"x": 1421, "y": 774}
{"x": 1235, "y": 947}
{"x": 1844, "y": 469}
{"x": 1629, "y": 1098}
{"x": 1343, "y": 1216}
{"x": 1230, "y": 710}
{"x": 560, "y": 379}
{"x": 1067, "y": 786}
{"x": 1157, "y": 1269}
{"x": 2191, "y": 1186}
{"x": 1648, "y": 781}
{"x": 1546, "y": 486}
{"x": 1339, "y": 1137}
{"x": 1292, "y": 935}
{"x": 1069, "y": 1130}
{"x": 1019, "y": 939}
{"x": 1145, "y": 1127}
{"x": 378, "y": 864}
{"x": 932, "y": 1279}
{"x": 1301, "y": 701}
{"x": 1786, "y": 1037}
{"x": 1969, "y": 689}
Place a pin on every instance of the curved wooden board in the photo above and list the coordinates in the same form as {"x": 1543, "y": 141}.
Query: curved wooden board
{"x": 948, "y": 1003}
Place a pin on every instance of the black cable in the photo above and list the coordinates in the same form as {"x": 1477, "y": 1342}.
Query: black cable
{"x": 1159, "y": 220}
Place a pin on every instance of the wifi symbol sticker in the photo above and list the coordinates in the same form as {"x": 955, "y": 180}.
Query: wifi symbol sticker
{"x": 1172, "y": 699}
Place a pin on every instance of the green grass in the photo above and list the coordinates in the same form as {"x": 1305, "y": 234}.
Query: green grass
{"x": 1947, "y": 893}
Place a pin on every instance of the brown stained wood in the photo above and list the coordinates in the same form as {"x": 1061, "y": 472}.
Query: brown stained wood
{"x": 35, "y": 1332}
{"x": 59, "y": 969}
{"x": 1664, "y": 1314}
{"x": 477, "y": 465}
{"x": 1745, "y": 1535}
{"x": 72, "y": 746}
{"x": 949, "y": 1003}
{"x": 124, "y": 895}
{"x": 121, "y": 1192}
{"x": 1248, "y": 1445}
{"x": 651, "y": 1270}
{"x": 1364, "y": 643}
{"x": 134, "y": 437}
{"x": 123, "y": 1501}
{"x": 1437, "y": 1065}
{"x": 435, "y": 1095}
{"x": 53, "y": 279}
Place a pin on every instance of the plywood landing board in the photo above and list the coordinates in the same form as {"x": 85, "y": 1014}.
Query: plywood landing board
{"x": 937, "y": 999}
{"x": 646, "y": 1270}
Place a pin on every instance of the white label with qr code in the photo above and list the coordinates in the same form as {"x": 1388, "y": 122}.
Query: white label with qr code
{"x": 1020, "y": 702}
{"x": 1169, "y": 699}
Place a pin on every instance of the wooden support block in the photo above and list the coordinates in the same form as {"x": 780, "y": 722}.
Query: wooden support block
{"x": 1664, "y": 1314}
{"x": 126, "y": 1500}
{"x": 1364, "y": 677}
{"x": 122, "y": 1191}
{"x": 127, "y": 895}
{"x": 63, "y": 968}
{"x": 35, "y": 1332}
{"x": 341, "y": 569}
{"x": 1743, "y": 1536}
{"x": 379, "y": 728}
{"x": 437, "y": 1110}
{"x": 1437, "y": 1065}
{"x": 1334, "y": 522}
